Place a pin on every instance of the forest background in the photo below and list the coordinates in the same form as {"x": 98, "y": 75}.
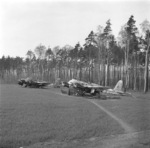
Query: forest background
{"x": 102, "y": 59}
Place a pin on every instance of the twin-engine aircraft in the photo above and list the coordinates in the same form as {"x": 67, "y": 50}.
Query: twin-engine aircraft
{"x": 28, "y": 82}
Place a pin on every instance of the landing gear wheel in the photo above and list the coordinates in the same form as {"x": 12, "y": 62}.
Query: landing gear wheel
{"x": 69, "y": 93}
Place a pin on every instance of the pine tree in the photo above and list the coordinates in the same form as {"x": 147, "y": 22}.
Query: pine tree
{"x": 107, "y": 36}
{"x": 131, "y": 48}
{"x": 91, "y": 52}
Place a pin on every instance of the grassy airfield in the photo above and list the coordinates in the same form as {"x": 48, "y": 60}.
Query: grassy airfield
{"x": 46, "y": 118}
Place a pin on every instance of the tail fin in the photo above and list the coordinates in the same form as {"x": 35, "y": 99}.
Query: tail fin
{"x": 119, "y": 86}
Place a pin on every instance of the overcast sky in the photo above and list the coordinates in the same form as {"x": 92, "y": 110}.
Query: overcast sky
{"x": 25, "y": 24}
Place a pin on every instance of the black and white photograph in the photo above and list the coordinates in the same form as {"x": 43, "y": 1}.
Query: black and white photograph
{"x": 75, "y": 74}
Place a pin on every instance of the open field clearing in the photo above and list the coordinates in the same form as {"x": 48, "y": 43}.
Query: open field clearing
{"x": 36, "y": 118}
{"x": 30, "y": 116}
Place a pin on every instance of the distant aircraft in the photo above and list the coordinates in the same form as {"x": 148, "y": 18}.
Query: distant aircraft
{"x": 28, "y": 82}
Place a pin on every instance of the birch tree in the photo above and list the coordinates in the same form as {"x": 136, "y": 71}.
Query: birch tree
{"x": 40, "y": 52}
{"x": 145, "y": 26}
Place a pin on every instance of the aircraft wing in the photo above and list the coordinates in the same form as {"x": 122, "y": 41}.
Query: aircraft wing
{"x": 88, "y": 85}
{"x": 42, "y": 84}
{"x": 98, "y": 87}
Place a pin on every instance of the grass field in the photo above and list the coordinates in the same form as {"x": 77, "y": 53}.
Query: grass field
{"x": 134, "y": 111}
{"x": 33, "y": 116}
{"x": 29, "y": 116}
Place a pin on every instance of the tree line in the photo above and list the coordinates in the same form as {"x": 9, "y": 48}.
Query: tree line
{"x": 103, "y": 59}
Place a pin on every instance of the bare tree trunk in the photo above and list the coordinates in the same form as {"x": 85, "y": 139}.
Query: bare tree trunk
{"x": 98, "y": 72}
{"x": 103, "y": 82}
{"x": 42, "y": 71}
{"x": 107, "y": 72}
{"x": 92, "y": 71}
{"x": 89, "y": 74}
{"x": 135, "y": 71}
{"x": 80, "y": 72}
{"x": 99, "y": 65}
{"x": 146, "y": 72}
{"x": 126, "y": 65}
